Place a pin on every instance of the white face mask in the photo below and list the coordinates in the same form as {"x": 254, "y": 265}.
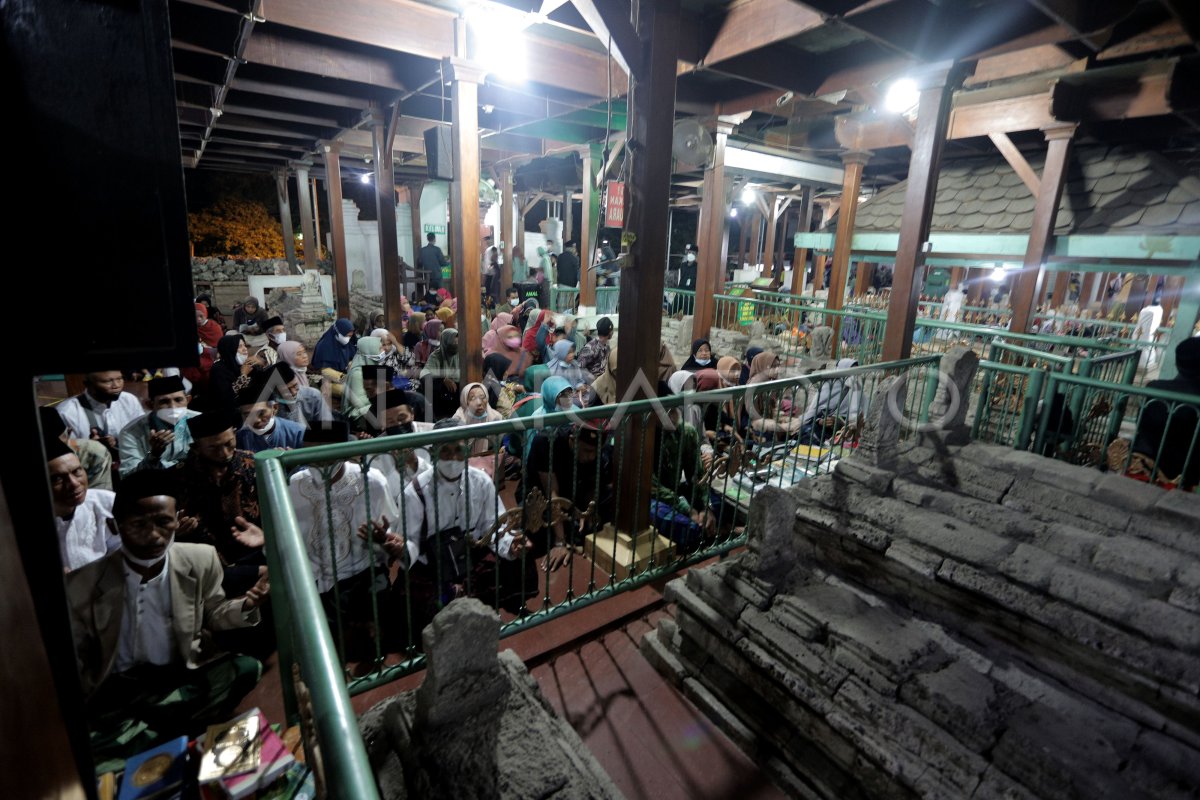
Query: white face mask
{"x": 148, "y": 562}
{"x": 171, "y": 416}
{"x": 514, "y": 302}
{"x": 378, "y": 356}
{"x": 241, "y": 359}
{"x": 704, "y": 362}
{"x": 200, "y": 348}
{"x": 279, "y": 338}
{"x": 564, "y": 403}
{"x": 691, "y": 257}
{"x": 342, "y": 339}
{"x": 451, "y": 470}
{"x": 264, "y": 429}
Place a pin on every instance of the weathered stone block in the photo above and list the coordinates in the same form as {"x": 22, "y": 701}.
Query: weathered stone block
{"x": 1137, "y": 559}
{"x": 1166, "y": 623}
{"x": 959, "y": 699}
{"x": 770, "y": 533}
{"x": 1052, "y": 503}
{"x": 1030, "y": 565}
{"x": 1092, "y": 592}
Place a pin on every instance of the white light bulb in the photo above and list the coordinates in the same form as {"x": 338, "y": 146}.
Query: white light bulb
{"x": 999, "y": 274}
{"x": 365, "y": 177}
{"x": 902, "y": 96}
{"x": 733, "y": 212}
{"x": 748, "y": 196}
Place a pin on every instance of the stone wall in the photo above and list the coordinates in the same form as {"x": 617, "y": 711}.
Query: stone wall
{"x": 212, "y": 268}
{"x": 964, "y": 621}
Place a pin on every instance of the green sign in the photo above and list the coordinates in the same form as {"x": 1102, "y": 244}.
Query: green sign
{"x": 447, "y": 273}
{"x": 745, "y": 311}
{"x": 435, "y": 229}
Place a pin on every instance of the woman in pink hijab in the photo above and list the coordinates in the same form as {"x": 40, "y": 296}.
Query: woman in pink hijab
{"x": 489, "y": 338}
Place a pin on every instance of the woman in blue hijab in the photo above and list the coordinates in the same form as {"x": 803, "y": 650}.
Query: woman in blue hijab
{"x": 336, "y": 347}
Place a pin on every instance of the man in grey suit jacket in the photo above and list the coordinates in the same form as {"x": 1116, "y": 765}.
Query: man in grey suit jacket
{"x": 142, "y": 618}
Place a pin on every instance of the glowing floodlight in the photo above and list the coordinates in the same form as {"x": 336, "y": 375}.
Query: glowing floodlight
{"x": 365, "y": 177}
{"x": 999, "y": 274}
{"x": 499, "y": 39}
{"x": 902, "y": 96}
{"x": 748, "y": 196}
{"x": 733, "y": 212}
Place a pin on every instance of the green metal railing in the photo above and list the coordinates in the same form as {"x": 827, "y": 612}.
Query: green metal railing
{"x": 1005, "y": 403}
{"x": 564, "y": 299}
{"x": 1083, "y": 417}
{"x": 794, "y": 428}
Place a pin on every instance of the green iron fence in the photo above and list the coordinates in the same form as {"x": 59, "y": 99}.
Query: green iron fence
{"x": 349, "y": 611}
{"x": 1151, "y": 433}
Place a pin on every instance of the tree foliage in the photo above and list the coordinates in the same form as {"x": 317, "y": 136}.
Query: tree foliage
{"x": 236, "y": 227}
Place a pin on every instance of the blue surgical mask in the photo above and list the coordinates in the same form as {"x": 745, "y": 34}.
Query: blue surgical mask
{"x": 704, "y": 362}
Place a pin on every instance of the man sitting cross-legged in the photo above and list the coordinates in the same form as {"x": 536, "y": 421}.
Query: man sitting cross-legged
{"x": 142, "y": 617}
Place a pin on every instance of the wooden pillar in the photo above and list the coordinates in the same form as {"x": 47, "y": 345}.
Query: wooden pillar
{"x": 712, "y": 236}
{"x": 507, "y": 234}
{"x": 866, "y": 271}
{"x": 1025, "y": 293}
{"x": 385, "y": 213}
{"x": 781, "y": 241}
{"x": 768, "y": 259}
{"x": 851, "y": 183}
{"x": 1170, "y": 296}
{"x": 285, "y": 218}
{"x": 316, "y": 208}
{"x": 1087, "y": 290}
{"x": 337, "y": 226}
{"x": 306, "y": 217}
{"x": 976, "y": 283}
{"x": 568, "y": 216}
{"x": 1139, "y": 293}
{"x": 743, "y": 237}
{"x": 418, "y": 234}
{"x": 587, "y": 234}
{"x": 800, "y": 258}
{"x": 819, "y": 272}
{"x": 933, "y": 112}
{"x": 650, "y": 121}
{"x": 465, "y": 78}
{"x": 756, "y": 242}
{"x": 1062, "y": 282}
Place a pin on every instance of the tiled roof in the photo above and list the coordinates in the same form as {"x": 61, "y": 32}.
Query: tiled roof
{"x": 1109, "y": 189}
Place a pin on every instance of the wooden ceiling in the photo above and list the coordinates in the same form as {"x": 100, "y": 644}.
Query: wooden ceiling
{"x": 261, "y": 83}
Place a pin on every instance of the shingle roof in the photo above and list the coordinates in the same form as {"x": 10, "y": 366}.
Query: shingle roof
{"x": 1109, "y": 189}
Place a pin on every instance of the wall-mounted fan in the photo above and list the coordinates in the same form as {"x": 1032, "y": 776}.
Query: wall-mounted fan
{"x": 691, "y": 144}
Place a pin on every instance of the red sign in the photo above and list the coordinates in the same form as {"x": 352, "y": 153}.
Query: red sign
{"x": 614, "y": 204}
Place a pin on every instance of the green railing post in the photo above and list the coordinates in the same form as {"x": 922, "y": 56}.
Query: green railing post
{"x": 348, "y": 772}
{"x": 1044, "y": 420}
{"x": 1033, "y": 391}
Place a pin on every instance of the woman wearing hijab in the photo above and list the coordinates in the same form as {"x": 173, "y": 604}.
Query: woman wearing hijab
{"x": 356, "y": 402}
{"x": 232, "y": 371}
{"x": 249, "y": 319}
{"x": 212, "y": 311}
{"x": 746, "y": 362}
{"x": 535, "y": 328}
{"x": 442, "y": 370}
{"x": 606, "y": 384}
{"x": 489, "y": 338}
{"x": 836, "y": 402}
{"x": 412, "y": 334}
{"x": 701, "y": 357}
{"x": 474, "y": 409}
{"x": 296, "y": 356}
{"x": 683, "y": 382}
{"x": 394, "y": 354}
{"x": 730, "y": 369}
{"x": 666, "y": 363}
{"x": 562, "y": 364}
{"x": 520, "y": 267}
{"x": 431, "y": 337}
{"x": 764, "y": 367}
{"x": 335, "y": 348}
{"x": 445, "y": 314}
{"x": 209, "y": 332}
{"x": 557, "y": 395}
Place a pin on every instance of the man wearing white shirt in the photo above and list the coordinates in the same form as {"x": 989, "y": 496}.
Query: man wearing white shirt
{"x": 447, "y": 509}
{"x": 348, "y": 570}
{"x": 142, "y": 618}
{"x": 82, "y": 516}
{"x": 159, "y": 439}
{"x": 102, "y": 410}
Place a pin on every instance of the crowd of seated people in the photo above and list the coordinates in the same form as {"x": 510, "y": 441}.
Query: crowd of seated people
{"x": 158, "y": 514}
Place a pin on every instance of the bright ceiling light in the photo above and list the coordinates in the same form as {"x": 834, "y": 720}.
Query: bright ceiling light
{"x": 365, "y": 177}
{"x": 733, "y": 212}
{"x": 902, "y": 96}
{"x": 999, "y": 274}
{"x": 499, "y": 39}
{"x": 748, "y": 196}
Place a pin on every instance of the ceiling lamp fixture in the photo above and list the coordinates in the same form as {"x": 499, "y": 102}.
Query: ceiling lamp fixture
{"x": 748, "y": 196}
{"x": 733, "y": 212}
{"x": 498, "y": 34}
{"x": 902, "y": 96}
{"x": 365, "y": 177}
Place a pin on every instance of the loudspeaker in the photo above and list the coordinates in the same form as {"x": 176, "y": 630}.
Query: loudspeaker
{"x": 440, "y": 163}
